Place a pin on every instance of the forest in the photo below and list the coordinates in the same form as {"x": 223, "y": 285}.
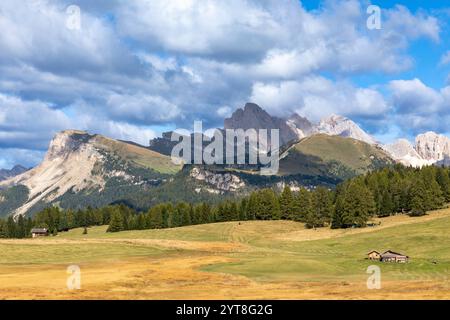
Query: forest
{"x": 381, "y": 193}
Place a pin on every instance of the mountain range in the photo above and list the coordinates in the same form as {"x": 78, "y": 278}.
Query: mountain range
{"x": 16, "y": 170}
{"x": 430, "y": 148}
{"x": 82, "y": 169}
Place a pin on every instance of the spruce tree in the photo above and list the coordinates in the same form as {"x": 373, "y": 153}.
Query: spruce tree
{"x": 418, "y": 199}
{"x": 302, "y": 205}
{"x": 234, "y": 211}
{"x": 206, "y": 214}
{"x": 443, "y": 179}
{"x": 116, "y": 224}
{"x": 358, "y": 205}
{"x": 387, "y": 205}
{"x": 243, "y": 209}
{"x": 322, "y": 208}
{"x": 286, "y": 204}
{"x": 337, "y": 219}
{"x": 252, "y": 206}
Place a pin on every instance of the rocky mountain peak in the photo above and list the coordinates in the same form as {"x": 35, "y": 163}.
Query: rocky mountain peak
{"x": 66, "y": 142}
{"x": 404, "y": 152}
{"x": 433, "y": 146}
{"x": 15, "y": 171}
{"x": 253, "y": 116}
{"x": 301, "y": 125}
{"x": 337, "y": 125}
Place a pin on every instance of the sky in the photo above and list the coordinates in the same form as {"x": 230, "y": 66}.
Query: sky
{"x": 133, "y": 69}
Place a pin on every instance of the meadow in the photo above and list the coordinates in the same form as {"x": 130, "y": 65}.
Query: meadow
{"x": 233, "y": 260}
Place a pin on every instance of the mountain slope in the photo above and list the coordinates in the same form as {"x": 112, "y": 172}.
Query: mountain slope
{"x": 78, "y": 162}
{"x": 332, "y": 156}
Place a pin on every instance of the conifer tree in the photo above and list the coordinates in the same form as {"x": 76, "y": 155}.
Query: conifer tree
{"x": 206, "y": 214}
{"x": 116, "y": 224}
{"x": 337, "y": 219}
{"x": 252, "y": 206}
{"x": 443, "y": 179}
{"x": 387, "y": 205}
{"x": 286, "y": 204}
{"x": 233, "y": 211}
{"x": 418, "y": 199}
{"x": 358, "y": 205}
{"x": 243, "y": 209}
{"x": 267, "y": 205}
{"x": 302, "y": 205}
{"x": 322, "y": 208}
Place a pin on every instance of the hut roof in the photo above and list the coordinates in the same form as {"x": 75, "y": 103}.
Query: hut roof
{"x": 39, "y": 230}
{"x": 390, "y": 253}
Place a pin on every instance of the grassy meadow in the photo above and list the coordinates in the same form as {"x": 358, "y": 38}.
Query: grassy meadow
{"x": 235, "y": 260}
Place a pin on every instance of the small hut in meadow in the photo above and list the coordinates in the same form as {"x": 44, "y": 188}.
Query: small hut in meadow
{"x": 39, "y": 232}
{"x": 391, "y": 256}
{"x": 374, "y": 255}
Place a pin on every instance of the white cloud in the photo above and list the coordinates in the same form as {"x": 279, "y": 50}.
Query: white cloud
{"x": 28, "y": 123}
{"x": 159, "y": 62}
{"x": 317, "y": 97}
{"x": 412, "y": 26}
{"x": 419, "y": 107}
{"x": 141, "y": 108}
{"x": 224, "y": 112}
{"x": 37, "y": 34}
{"x": 445, "y": 59}
{"x": 413, "y": 96}
{"x": 25, "y": 157}
{"x": 204, "y": 27}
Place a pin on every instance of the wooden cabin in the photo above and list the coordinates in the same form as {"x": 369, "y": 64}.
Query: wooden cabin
{"x": 391, "y": 256}
{"x": 39, "y": 232}
{"x": 374, "y": 255}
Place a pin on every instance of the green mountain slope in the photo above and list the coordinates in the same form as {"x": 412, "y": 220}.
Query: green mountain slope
{"x": 332, "y": 156}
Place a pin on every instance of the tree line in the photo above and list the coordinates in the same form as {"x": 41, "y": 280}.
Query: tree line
{"x": 385, "y": 192}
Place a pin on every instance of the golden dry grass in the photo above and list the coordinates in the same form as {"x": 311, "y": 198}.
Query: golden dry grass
{"x": 180, "y": 278}
{"x": 249, "y": 260}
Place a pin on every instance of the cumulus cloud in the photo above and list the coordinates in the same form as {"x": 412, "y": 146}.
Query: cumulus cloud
{"x": 28, "y": 124}
{"x": 318, "y": 97}
{"x": 206, "y": 28}
{"x": 13, "y": 156}
{"x": 136, "y": 64}
{"x": 37, "y": 34}
{"x": 419, "y": 107}
{"x": 413, "y": 96}
{"x": 141, "y": 108}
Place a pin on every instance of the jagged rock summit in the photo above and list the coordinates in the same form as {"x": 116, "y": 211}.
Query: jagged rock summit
{"x": 337, "y": 125}
{"x": 404, "y": 152}
{"x": 432, "y": 146}
{"x": 253, "y": 116}
{"x": 15, "y": 171}
{"x": 301, "y": 125}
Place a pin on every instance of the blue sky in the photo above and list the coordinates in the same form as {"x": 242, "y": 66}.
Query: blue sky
{"x": 136, "y": 68}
